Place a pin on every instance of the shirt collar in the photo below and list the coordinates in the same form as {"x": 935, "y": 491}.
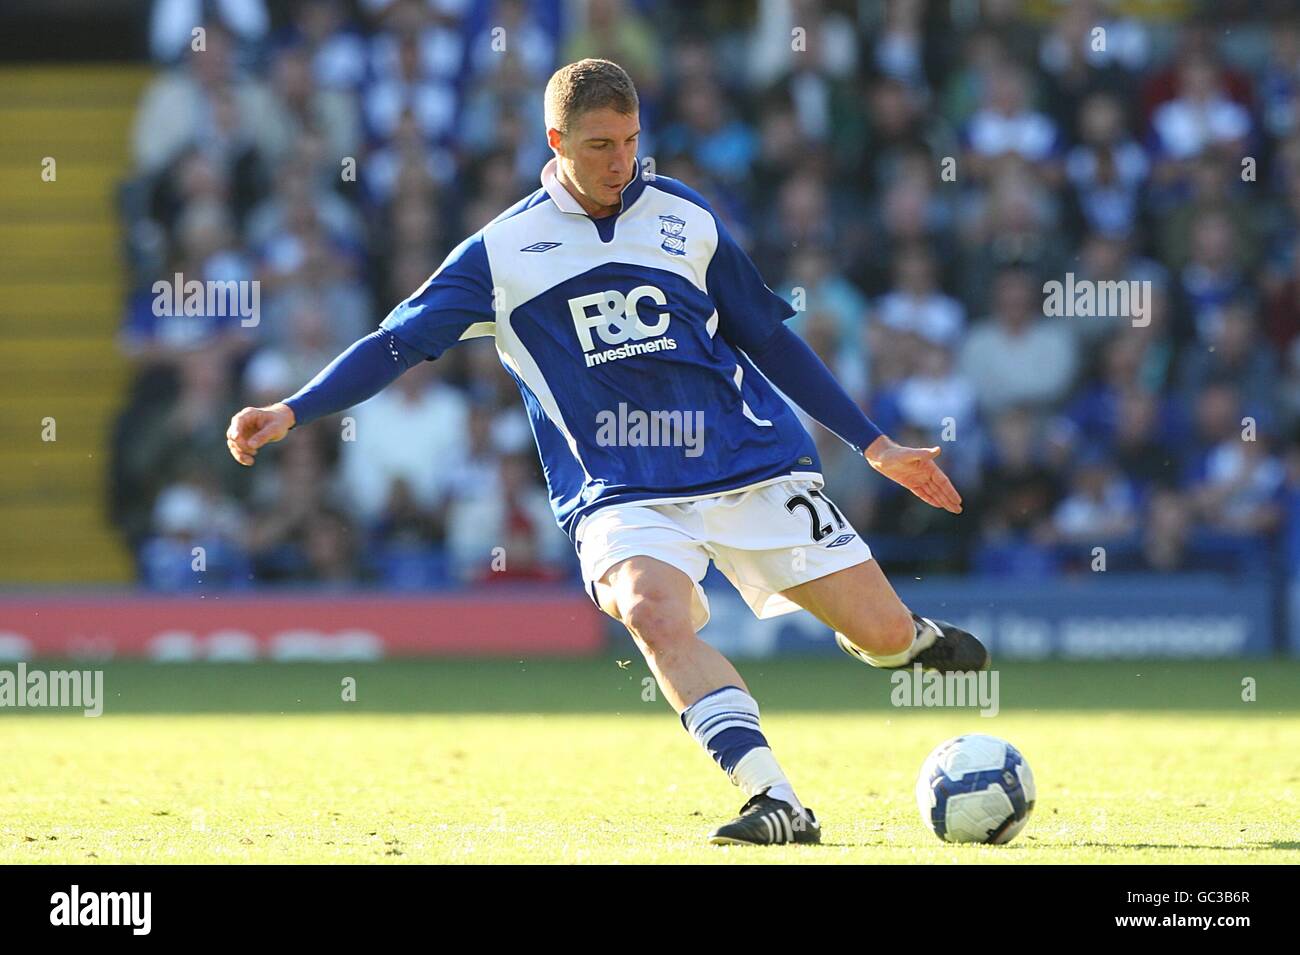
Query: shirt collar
{"x": 564, "y": 200}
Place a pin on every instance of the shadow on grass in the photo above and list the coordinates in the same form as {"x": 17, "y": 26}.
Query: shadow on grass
{"x": 622, "y": 686}
{"x": 1021, "y": 846}
{"x": 1121, "y": 846}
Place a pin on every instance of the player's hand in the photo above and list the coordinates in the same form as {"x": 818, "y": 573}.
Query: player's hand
{"x": 914, "y": 468}
{"x": 254, "y": 428}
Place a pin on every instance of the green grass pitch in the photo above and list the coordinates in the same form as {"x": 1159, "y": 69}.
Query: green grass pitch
{"x": 529, "y": 761}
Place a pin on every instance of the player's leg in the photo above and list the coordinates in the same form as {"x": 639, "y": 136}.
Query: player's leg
{"x": 860, "y": 603}
{"x": 872, "y": 624}
{"x": 654, "y": 600}
{"x": 787, "y": 546}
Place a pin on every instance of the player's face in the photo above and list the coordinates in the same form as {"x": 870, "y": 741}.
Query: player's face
{"x": 597, "y": 155}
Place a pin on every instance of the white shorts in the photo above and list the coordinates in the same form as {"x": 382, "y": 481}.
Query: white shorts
{"x": 765, "y": 540}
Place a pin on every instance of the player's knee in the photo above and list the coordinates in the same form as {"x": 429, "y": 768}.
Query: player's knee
{"x": 656, "y": 620}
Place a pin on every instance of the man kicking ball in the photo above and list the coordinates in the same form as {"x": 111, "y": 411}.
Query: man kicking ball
{"x": 613, "y": 293}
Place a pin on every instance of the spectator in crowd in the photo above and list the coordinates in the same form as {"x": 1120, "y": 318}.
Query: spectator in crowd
{"x": 409, "y": 435}
{"x": 1015, "y": 224}
{"x": 1087, "y": 49}
{"x": 1016, "y": 356}
{"x": 1140, "y": 448}
{"x": 802, "y": 217}
{"x": 206, "y": 102}
{"x": 1202, "y": 116}
{"x": 900, "y": 49}
{"x": 1105, "y": 258}
{"x": 198, "y": 537}
{"x": 1020, "y": 488}
{"x": 174, "y": 439}
{"x": 505, "y": 530}
{"x": 1098, "y": 510}
{"x": 1018, "y": 495}
{"x": 1005, "y": 126}
{"x": 1241, "y": 491}
{"x": 936, "y": 397}
{"x": 910, "y": 212}
{"x": 915, "y": 304}
{"x": 283, "y": 541}
{"x": 333, "y": 44}
{"x": 1166, "y": 538}
{"x": 1233, "y": 354}
{"x": 815, "y": 286}
{"x": 1108, "y": 169}
{"x": 721, "y": 144}
{"x": 616, "y": 30}
{"x": 300, "y": 106}
{"x": 826, "y": 36}
{"x": 172, "y": 24}
{"x": 907, "y": 174}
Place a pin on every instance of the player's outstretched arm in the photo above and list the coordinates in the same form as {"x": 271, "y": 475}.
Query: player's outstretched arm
{"x": 792, "y": 366}
{"x": 367, "y": 367}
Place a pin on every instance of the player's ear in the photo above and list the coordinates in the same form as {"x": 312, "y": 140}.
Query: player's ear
{"x": 554, "y": 138}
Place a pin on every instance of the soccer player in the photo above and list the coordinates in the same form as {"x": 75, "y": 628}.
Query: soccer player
{"x": 627, "y": 315}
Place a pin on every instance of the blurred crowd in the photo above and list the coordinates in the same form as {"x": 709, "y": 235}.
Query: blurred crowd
{"x": 909, "y": 174}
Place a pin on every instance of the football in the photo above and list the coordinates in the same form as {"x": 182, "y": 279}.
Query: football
{"x": 975, "y": 788}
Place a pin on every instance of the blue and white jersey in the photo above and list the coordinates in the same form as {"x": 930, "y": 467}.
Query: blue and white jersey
{"x": 609, "y": 326}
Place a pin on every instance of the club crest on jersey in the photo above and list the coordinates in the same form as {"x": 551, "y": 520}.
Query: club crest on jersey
{"x": 670, "y": 227}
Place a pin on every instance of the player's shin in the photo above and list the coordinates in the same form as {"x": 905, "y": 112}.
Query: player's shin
{"x": 726, "y": 723}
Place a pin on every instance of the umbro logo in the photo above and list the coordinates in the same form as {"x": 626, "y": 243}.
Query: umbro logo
{"x": 841, "y": 540}
{"x": 540, "y": 247}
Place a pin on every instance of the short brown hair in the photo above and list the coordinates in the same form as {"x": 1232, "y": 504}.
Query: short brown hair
{"x": 586, "y": 85}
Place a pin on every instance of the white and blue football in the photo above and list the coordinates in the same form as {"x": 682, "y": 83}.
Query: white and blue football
{"x": 975, "y": 788}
